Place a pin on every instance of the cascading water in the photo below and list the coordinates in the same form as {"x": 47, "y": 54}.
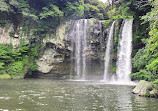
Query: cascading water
{"x": 124, "y": 53}
{"x": 81, "y": 45}
{"x": 80, "y": 42}
{"x": 108, "y": 51}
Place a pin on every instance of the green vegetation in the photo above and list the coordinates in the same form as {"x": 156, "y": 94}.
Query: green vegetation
{"x": 146, "y": 59}
{"x": 3, "y": 23}
{"x": 106, "y": 23}
{"x": 5, "y": 76}
{"x": 17, "y": 63}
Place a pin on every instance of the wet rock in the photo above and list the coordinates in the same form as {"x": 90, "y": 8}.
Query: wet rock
{"x": 97, "y": 28}
{"x": 145, "y": 88}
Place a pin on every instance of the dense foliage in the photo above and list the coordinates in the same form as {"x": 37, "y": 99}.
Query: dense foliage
{"x": 17, "y": 63}
{"x": 146, "y": 59}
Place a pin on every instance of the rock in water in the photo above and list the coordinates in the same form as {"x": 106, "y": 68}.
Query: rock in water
{"x": 145, "y": 88}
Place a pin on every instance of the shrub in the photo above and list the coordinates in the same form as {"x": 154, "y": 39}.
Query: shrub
{"x": 155, "y": 81}
{"x": 5, "y": 76}
{"x": 11, "y": 33}
{"x": 15, "y": 69}
{"x": 106, "y": 23}
{"x": 142, "y": 75}
{"x": 3, "y": 23}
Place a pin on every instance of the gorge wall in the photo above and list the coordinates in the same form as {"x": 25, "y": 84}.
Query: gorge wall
{"x": 57, "y": 55}
{"x": 78, "y": 50}
{"x": 60, "y": 54}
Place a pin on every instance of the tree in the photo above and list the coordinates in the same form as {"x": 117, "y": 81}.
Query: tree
{"x": 73, "y": 10}
{"x": 4, "y": 6}
{"x": 150, "y": 56}
{"x": 51, "y": 11}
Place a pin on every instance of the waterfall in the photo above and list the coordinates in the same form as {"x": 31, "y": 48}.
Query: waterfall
{"x": 80, "y": 43}
{"x": 108, "y": 51}
{"x": 124, "y": 52}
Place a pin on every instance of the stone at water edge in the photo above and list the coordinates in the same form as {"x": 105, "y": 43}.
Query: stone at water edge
{"x": 145, "y": 88}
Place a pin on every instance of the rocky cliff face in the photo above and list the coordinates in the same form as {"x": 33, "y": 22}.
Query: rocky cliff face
{"x": 59, "y": 49}
{"x": 55, "y": 52}
{"x": 8, "y": 37}
{"x": 57, "y": 46}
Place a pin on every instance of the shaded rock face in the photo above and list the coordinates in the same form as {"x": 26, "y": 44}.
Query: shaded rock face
{"x": 145, "y": 88}
{"x": 7, "y": 38}
{"x": 56, "y": 52}
{"x": 52, "y": 56}
{"x": 97, "y": 40}
{"x": 11, "y": 35}
{"x": 60, "y": 48}
{"x": 57, "y": 71}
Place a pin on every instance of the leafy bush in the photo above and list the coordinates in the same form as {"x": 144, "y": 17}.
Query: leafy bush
{"x": 5, "y": 54}
{"x": 152, "y": 44}
{"x": 4, "y": 6}
{"x": 155, "y": 81}
{"x": 139, "y": 61}
{"x": 15, "y": 69}
{"x": 51, "y": 11}
{"x": 142, "y": 75}
{"x": 5, "y": 76}
{"x": 120, "y": 16}
{"x": 18, "y": 63}
{"x": 1, "y": 65}
{"x": 124, "y": 9}
{"x": 153, "y": 66}
{"x": 113, "y": 69}
{"x": 73, "y": 10}
{"x": 106, "y": 23}
{"x": 113, "y": 12}
{"x": 3, "y": 23}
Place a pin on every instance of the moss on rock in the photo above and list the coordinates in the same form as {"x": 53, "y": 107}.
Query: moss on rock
{"x": 147, "y": 89}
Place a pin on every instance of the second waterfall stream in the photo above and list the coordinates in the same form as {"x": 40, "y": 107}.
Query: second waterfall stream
{"x": 123, "y": 66}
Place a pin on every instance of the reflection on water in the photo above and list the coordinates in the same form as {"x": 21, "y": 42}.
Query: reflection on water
{"x": 48, "y": 95}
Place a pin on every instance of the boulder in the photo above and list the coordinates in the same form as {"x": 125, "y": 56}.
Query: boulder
{"x": 145, "y": 88}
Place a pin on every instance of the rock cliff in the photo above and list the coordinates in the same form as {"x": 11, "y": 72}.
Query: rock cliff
{"x": 59, "y": 48}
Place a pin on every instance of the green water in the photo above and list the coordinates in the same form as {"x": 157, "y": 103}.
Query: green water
{"x": 50, "y": 95}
